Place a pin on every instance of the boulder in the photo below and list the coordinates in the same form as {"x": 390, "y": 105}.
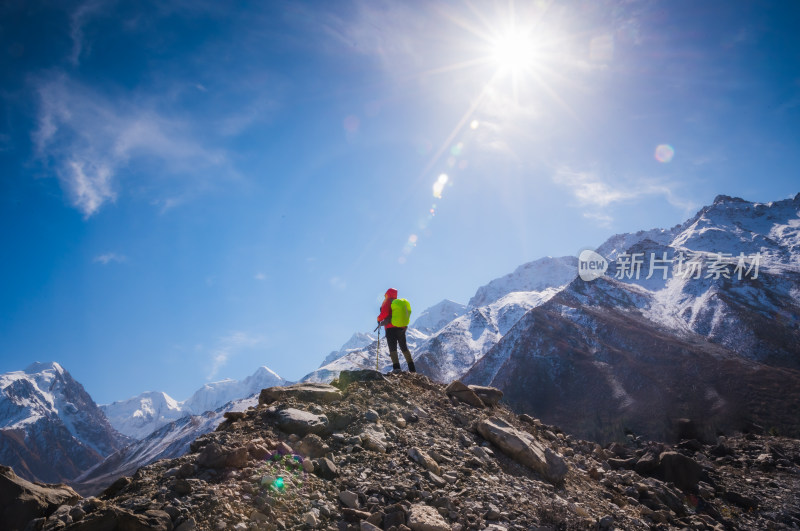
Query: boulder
{"x": 312, "y": 446}
{"x": 347, "y": 377}
{"x": 488, "y": 395}
{"x": 683, "y": 471}
{"x": 424, "y": 460}
{"x": 299, "y": 422}
{"x": 22, "y": 501}
{"x": 305, "y": 392}
{"x": 215, "y": 455}
{"x": 327, "y": 469}
{"x": 647, "y": 464}
{"x": 463, "y": 393}
{"x": 426, "y": 518}
{"x": 523, "y": 448}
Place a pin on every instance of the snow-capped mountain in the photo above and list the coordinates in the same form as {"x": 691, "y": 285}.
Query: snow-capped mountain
{"x": 168, "y": 441}
{"x": 717, "y": 342}
{"x": 357, "y": 341}
{"x": 50, "y": 428}
{"x": 448, "y": 338}
{"x": 213, "y": 395}
{"x": 141, "y": 415}
{"x": 438, "y": 316}
{"x": 537, "y": 276}
{"x": 364, "y": 358}
{"x": 452, "y": 351}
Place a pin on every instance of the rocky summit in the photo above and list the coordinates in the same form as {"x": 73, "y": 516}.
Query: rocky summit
{"x": 400, "y": 452}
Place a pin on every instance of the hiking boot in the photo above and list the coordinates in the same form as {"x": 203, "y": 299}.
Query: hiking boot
{"x": 396, "y": 368}
{"x": 411, "y": 367}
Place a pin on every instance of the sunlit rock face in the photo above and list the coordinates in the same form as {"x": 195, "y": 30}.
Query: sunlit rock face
{"x": 50, "y": 428}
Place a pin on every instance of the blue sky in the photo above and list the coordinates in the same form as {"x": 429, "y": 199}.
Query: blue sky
{"x": 191, "y": 190}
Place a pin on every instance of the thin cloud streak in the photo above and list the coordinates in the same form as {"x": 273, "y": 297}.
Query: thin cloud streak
{"x": 107, "y": 258}
{"x": 592, "y": 191}
{"x": 227, "y": 347}
{"x": 76, "y": 24}
{"x": 88, "y": 138}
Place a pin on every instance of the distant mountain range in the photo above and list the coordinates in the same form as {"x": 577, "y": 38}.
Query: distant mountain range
{"x": 700, "y": 321}
{"x": 711, "y": 332}
{"x": 141, "y": 415}
{"x": 51, "y": 430}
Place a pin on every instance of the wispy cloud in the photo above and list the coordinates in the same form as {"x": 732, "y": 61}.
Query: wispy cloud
{"x": 603, "y": 220}
{"x": 592, "y": 191}
{"x": 89, "y": 138}
{"x": 77, "y": 22}
{"x": 227, "y": 347}
{"x": 107, "y": 258}
{"x": 338, "y": 284}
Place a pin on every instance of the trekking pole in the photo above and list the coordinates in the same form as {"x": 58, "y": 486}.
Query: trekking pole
{"x": 378, "y": 350}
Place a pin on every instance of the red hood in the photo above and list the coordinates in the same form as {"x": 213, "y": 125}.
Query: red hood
{"x": 391, "y": 293}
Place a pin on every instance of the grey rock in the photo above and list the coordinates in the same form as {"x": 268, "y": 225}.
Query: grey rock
{"x": 488, "y": 395}
{"x": 312, "y": 446}
{"x": 215, "y": 455}
{"x": 347, "y": 377}
{"x": 305, "y": 392}
{"x": 349, "y": 498}
{"x": 426, "y": 518}
{"x": 464, "y": 394}
{"x": 683, "y": 471}
{"x": 300, "y": 422}
{"x": 423, "y": 459}
{"x": 523, "y": 448}
{"x": 327, "y": 469}
{"x": 22, "y": 501}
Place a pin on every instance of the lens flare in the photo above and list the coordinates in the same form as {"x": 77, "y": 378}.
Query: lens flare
{"x": 438, "y": 186}
{"x": 474, "y": 124}
{"x": 664, "y": 153}
{"x": 351, "y": 124}
{"x": 457, "y": 149}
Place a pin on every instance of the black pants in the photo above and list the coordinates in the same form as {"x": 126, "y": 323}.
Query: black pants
{"x": 393, "y": 337}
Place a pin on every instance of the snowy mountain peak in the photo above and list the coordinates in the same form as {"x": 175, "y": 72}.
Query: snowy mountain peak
{"x": 140, "y": 415}
{"x": 357, "y": 341}
{"x": 728, "y": 199}
{"x": 45, "y": 413}
{"x": 263, "y": 372}
{"x": 38, "y": 366}
{"x": 437, "y": 316}
{"x": 539, "y": 275}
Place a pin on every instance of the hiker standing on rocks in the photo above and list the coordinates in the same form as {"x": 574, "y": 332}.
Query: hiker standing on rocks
{"x": 394, "y": 318}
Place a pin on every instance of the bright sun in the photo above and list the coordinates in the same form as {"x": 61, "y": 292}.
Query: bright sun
{"x": 514, "y": 51}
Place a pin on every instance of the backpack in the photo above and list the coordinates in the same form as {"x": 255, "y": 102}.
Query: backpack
{"x": 401, "y": 312}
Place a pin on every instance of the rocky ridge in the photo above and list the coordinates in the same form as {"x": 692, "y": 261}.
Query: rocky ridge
{"x": 403, "y": 452}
